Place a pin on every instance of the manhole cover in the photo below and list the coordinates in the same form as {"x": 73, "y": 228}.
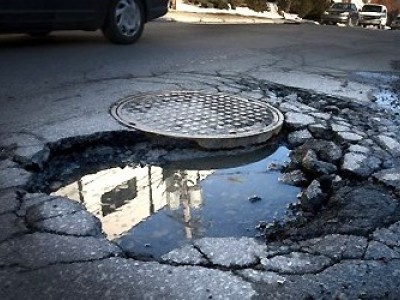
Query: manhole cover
{"x": 212, "y": 120}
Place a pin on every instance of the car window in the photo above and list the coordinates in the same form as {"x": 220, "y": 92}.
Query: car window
{"x": 353, "y": 7}
{"x": 372, "y": 8}
{"x": 341, "y": 6}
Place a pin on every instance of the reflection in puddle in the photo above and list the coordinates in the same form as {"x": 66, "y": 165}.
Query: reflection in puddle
{"x": 152, "y": 210}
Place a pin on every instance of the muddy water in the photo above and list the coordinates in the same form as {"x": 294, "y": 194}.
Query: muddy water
{"x": 150, "y": 210}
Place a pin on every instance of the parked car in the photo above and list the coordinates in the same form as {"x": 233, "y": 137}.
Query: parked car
{"x": 373, "y": 14}
{"x": 395, "y": 23}
{"x": 122, "y": 21}
{"x": 344, "y": 13}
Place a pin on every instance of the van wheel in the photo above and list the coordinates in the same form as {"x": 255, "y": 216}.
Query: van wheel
{"x": 125, "y": 21}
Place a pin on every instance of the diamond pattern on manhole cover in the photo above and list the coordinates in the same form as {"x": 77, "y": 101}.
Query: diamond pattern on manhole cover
{"x": 195, "y": 115}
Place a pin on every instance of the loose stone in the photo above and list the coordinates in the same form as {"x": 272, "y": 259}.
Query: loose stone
{"x": 339, "y": 128}
{"x": 359, "y": 149}
{"x": 296, "y": 178}
{"x": 360, "y": 164}
{"x": 312, "y": 164}
{"x": 320, "y": 131}
{"x": 323, "y": 116}
{"x": 313, "y": 197}
{"x": 230, "y": 252}
{"x": 389, "y": 144}
{"x": 287, "y": 107}
{"x": 298, "y": 120}
{"x": 299, "y": 137}
{"x": 349, "y": 136}
{"x": 296, "y": 263}
{"x": 327, "y": 151}
{"x": 390, "y": 177}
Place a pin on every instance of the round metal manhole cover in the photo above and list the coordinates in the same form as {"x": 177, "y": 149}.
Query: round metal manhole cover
{"x": 213, "y": 120}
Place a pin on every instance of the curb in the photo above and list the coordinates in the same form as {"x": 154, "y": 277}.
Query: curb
{"x": 207, "y": 18}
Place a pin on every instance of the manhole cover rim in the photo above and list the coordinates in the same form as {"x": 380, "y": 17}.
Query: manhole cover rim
{"x": 274, "y": 127}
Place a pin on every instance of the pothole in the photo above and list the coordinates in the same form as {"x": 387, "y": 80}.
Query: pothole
{"x": 152, "y": 199}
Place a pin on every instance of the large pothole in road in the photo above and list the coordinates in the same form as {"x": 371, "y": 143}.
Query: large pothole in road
{"x": 344, "y": 156}
{"x": 152, "y": 199}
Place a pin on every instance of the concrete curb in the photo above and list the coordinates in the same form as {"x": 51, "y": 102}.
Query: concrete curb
{"x": 221, "y": 18}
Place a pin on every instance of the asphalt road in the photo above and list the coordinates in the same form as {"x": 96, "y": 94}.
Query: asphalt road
{"x": 35, "y": 72}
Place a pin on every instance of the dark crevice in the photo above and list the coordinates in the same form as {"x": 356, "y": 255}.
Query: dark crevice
{"x": 14, "y": 267}
{"x": 203, "y": 254}
{"x": 208, "y": 265}
{"x": 16, "y": 236}
{"x": 55, "y": 232}
{"x": 29, "y": 269}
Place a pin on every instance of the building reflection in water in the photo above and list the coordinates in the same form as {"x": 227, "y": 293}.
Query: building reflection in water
{"x": 122, "y": 198}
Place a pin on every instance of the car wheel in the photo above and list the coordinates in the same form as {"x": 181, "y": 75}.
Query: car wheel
{"x": 125, "y": 21}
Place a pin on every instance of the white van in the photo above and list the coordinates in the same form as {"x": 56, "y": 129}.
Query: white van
{"x": 373, "y": 14}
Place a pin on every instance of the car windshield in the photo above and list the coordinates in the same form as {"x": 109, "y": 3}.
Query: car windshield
{"x": 372, "y": 8}
{"x": 342, "y": 6}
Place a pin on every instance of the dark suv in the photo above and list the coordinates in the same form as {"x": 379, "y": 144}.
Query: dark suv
{"x": 122, "y": 21}
{"x": 344, "y": 13}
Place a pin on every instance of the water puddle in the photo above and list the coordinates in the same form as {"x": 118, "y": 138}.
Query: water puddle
{"x": 150, "y": 210}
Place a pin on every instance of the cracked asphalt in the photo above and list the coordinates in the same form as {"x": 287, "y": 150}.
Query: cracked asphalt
{"x": 343, "y": 241}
